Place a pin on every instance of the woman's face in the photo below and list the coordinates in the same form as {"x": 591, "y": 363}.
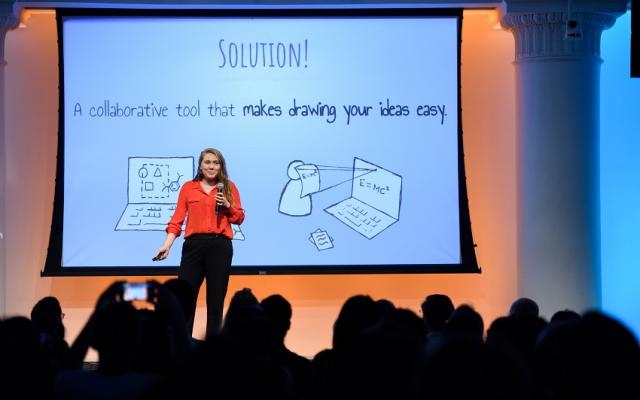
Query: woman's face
{"x": 210, "y": 166}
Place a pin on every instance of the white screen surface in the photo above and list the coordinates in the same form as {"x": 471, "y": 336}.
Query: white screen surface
{"x": 341, "y": 135}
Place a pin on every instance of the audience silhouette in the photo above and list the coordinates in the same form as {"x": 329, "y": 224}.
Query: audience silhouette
{"x": 378, "y": 351}
{"x": 279, "y": 311}
{"x": 47, "y": 317}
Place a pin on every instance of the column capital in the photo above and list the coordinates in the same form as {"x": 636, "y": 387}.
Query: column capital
{"x": 557, "y": 32}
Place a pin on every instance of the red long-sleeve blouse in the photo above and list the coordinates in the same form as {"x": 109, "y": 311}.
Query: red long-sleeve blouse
{"x": 198, "y": 208}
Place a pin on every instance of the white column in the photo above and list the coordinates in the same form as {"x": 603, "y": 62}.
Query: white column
{"x": 8, "y": 21}
{"x": 557, "y": 84}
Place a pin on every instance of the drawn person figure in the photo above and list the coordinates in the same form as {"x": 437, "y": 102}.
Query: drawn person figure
{"x": 291, "y": 200}
{"x": 207, "y": 249}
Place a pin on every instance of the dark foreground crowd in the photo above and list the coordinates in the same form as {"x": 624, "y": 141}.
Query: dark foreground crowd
{"x": 378, "y": 352}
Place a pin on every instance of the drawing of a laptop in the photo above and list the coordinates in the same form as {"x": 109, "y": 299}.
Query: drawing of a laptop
{"x": 152, "y": 191}
{"x": 374, "y": 205}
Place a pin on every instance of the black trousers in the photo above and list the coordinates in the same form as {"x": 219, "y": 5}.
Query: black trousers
{"x": 207, "y": 256}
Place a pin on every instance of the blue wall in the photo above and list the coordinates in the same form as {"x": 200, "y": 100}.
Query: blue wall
{"x": 620, "y": 177}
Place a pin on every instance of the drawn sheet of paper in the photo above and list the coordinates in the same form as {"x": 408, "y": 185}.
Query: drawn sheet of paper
{"x": 310, "y": 178}
{"x": 321, "y": 239}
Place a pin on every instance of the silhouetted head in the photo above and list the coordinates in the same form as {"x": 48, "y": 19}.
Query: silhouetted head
{"x": 278, "y": 309}
{"x": 241, "y": 307}
{"x": 47, "y": 306}
{"x": 564, "y": 316}
{"x": 243, "y": 297}
{"x": 47, "y": 319}
{"x": 357, "y": 313}
{"x": 436, "y": 309}
{"x": 524, "y": 307}
{"x": 465, "y": 321}
{"x": 385, "y": 306}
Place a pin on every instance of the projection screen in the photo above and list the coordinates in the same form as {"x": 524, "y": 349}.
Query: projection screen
{"x": 340, "y": 128}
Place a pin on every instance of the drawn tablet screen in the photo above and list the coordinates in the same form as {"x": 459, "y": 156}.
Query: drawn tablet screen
{"x": 340, "y": 130}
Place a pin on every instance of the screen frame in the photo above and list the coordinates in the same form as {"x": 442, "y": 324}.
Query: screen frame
{"x": 53, "y": 264}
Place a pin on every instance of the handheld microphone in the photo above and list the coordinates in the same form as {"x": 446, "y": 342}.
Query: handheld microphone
{"x": 220, "y": 187}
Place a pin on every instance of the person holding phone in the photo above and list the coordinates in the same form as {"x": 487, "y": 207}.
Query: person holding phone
{"x": 166, "y": 306}
{"x": 210, "y": 203}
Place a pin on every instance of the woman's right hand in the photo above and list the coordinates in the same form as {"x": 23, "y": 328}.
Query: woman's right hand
{"x": 162, "y": 253}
